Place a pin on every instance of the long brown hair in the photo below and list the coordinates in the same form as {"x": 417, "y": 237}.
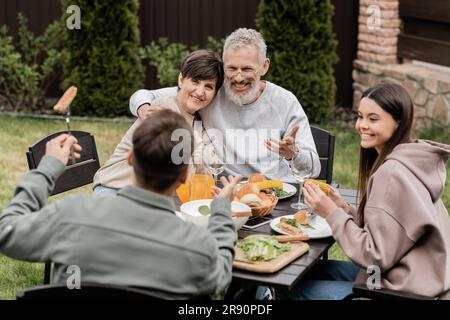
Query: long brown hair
{"x": 395, "y": 100}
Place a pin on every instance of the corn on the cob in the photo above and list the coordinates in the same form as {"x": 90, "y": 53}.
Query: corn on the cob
{"x": 322, "y": 185}
{"x": 275, "y": 184}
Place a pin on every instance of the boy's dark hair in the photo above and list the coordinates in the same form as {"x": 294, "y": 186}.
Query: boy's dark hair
{"x": 203, "y": 65}
{"x": 152, "y": 149}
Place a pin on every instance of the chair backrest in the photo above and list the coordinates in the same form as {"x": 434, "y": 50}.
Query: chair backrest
{"x": 76, "y": 174}
{"x": 87, "y": 291}
{"x": 325, "y": 148}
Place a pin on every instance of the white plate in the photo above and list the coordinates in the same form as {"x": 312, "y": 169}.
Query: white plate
{"x": 321, "y": 227}
{"x": 286, "y": 187}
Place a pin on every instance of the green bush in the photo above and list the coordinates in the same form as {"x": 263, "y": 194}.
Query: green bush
{"x": 167, "y": 57}
{"x": 17, "y": 80}
{"x": 25, "y": 77}
{"x": 302, "y": 49}
{"x": 215, "y": 45}
{"x": 102, "y": 58}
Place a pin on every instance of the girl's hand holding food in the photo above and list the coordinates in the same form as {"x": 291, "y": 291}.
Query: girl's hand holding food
{"x": 317, "y": 200}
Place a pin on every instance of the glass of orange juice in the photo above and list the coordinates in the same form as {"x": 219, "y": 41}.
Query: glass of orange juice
{"x": 198, "y": 185}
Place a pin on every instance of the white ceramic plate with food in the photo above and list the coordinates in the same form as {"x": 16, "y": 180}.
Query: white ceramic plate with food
{"x": 288, "y": 190}
{"x": 319, "y": 227}
{"x": 191, "y": 212}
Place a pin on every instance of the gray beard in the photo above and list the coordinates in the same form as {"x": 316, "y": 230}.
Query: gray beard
{"x": 247, "y": 98}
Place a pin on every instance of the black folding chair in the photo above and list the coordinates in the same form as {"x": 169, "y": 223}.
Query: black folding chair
{"x": 325, "y": 148}
{"x": 77, "y": 174}
{"x": 87, "y": 291}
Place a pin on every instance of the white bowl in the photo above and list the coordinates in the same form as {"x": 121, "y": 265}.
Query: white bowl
{"x": 190, "y": 212}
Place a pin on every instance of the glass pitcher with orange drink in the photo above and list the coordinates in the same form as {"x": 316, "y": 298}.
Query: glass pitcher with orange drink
{"x": 198, "y": 186}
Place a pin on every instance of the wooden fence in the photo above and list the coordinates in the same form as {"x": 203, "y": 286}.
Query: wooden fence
{"x": 426, "y": 31}
{"x": 192, "y": 21}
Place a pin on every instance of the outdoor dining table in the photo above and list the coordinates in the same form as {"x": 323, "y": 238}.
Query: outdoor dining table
{"x": 287, "y": 277}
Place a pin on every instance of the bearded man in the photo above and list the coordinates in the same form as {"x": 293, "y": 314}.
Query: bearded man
{"x": 262, "y": 125}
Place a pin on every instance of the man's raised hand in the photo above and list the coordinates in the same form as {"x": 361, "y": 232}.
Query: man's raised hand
{"x": 285, "y": 147}
{"x": 60, "y": 148}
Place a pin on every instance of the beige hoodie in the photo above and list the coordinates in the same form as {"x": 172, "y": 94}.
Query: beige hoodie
{"x": 407, "y": 227}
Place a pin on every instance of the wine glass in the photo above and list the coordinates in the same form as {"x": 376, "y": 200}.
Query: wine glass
{"x": 213, "y": 160}
{"x": 300, "y": 175}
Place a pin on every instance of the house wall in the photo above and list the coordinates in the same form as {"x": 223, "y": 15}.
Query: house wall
{"x": 378, "y": 61}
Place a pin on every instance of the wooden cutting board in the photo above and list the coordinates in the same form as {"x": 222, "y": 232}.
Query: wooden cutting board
{"x": 297, "y": 249}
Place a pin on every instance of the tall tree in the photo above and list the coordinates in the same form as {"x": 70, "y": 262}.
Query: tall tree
{"x": 302, "y": 48}
{"x": 102, "y": 58}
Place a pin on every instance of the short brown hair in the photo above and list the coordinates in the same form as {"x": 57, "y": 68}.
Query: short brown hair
{"x": 203, "y": 65}
{"x": 152, "y": 149}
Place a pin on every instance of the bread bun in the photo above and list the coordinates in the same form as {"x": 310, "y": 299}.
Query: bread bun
{"x": 256, "y": 177}
{"x": 246, "y": 189}
{"x": 301, "y": 217}
{"x": 265, "y": 199}
{"x": 251, "y": 199}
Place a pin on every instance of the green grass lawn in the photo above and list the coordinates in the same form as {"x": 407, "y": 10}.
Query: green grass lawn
{"x": 17, "y": 133}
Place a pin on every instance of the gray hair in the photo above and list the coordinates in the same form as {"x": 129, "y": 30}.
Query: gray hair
{"x": 244, "y": 37}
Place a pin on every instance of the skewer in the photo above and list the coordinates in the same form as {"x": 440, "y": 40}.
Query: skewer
{"x": 68, "y": 120}
{"x": 69, "y": 132}
{"x": 63, "y": 107}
